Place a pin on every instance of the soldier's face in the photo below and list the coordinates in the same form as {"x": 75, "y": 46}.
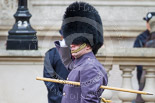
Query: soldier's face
{"x": 148, "y": 26}
{"x": 81, "y": 52}
{"x": 74, "y": 47}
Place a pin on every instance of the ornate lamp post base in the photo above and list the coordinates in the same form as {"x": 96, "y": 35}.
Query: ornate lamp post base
{"x": 22, "y": 42}
{"x": 22, "y": 36}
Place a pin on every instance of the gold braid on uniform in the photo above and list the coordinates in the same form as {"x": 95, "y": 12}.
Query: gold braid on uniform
{"x": 80, "y": 48}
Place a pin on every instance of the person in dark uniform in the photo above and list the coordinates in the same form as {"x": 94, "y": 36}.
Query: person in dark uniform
{"x": 83, "y": 35}
{"x": 150, "y": 43}
{"x": 142, "y": 39}
{"x": 54, "y": 68}
{"x": 140, "y": 42}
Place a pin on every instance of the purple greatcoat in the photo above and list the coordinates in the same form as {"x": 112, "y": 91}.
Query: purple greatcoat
{"x": 89, "y": 72}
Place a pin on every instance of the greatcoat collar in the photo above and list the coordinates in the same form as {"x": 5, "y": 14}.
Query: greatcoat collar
{"x": 84, "y": 57}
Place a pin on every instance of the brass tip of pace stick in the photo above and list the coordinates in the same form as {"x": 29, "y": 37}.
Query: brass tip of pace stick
{"x": 149, "y": 94}
{"x": 37, "y": 78}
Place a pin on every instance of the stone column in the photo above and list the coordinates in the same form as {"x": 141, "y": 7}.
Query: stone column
{"x": 149, "y": 84}
{"x": 127, "y": 84}
{"x": 107, "y": 93}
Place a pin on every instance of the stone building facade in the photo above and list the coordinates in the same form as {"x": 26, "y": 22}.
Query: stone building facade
{"x": 122, "y": 21}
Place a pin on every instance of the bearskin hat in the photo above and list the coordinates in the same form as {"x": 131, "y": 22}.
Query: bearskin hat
{"x": 82, "y": 24}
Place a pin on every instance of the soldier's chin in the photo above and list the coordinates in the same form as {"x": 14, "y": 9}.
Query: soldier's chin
{"x": 76, "y": 55}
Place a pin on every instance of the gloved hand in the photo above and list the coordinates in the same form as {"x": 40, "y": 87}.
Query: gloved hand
{"x": 62, "y": 43}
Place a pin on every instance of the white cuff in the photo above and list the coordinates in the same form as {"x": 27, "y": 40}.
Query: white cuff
{"x": 62, "y": 43}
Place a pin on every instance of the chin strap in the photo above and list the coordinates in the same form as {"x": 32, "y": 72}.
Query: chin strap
{"x": 80, "y": 48}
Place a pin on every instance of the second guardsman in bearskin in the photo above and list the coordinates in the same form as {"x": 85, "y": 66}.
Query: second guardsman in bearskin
{"x": 83, "y": 35}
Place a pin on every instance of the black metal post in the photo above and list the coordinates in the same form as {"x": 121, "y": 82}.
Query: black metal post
{"x": 22, "y": 36}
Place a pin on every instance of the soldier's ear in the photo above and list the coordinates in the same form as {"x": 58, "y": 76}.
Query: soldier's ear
{"x": 88, "y": 47}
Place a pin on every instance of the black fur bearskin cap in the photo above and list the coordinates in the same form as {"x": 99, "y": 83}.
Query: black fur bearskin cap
{"x": 82, "y": 24}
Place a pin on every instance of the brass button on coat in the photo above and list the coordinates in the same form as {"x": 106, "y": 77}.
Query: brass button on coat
{"x": 64, "y": 93}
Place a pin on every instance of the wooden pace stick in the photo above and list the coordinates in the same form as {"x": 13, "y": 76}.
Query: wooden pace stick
{"x": 105, "y": 101}
{"x": 102, "y": 87}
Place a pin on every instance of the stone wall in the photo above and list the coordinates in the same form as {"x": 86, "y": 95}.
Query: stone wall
{"x": 122, "y": 19}
{"x": 19, "y": 69}
{"x": 18, "y": 74}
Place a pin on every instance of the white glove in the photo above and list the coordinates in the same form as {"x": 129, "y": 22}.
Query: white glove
{"x": 62, "y": 43}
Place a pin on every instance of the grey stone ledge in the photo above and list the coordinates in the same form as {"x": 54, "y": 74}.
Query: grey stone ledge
{"x": 109, "y": 31}
{"x": 127, "y": 52}
{"x": 111, "y": 52}
{"x": 23, "y": 53}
